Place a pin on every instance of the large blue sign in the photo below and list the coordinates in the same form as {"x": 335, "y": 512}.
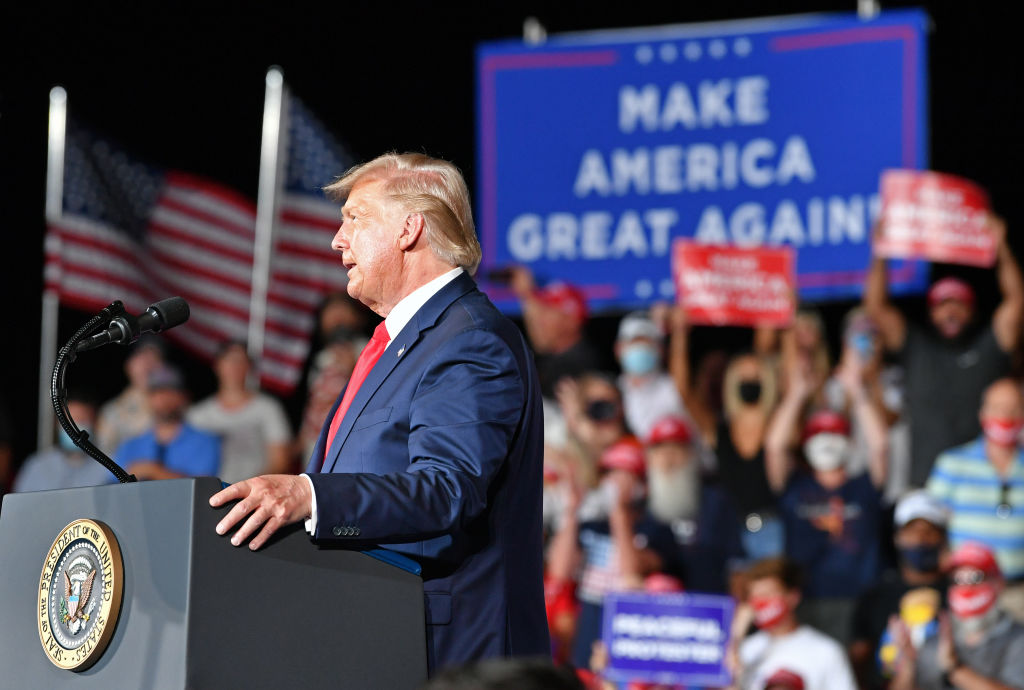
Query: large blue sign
{"x": 597, "y": 150}
{"x": 667, "y": 638}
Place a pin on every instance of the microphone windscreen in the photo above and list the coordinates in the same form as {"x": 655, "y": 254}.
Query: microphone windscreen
{"x": 172, "y": 311}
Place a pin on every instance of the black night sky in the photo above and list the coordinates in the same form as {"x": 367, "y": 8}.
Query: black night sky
{"x": 181, "y": 86}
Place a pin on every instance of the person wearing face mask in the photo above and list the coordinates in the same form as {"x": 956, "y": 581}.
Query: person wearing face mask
{"x": 648, "y": 393}
{"x": 702, "y": 516}
{"x": 977, "y": 646}
{"x": 737, "y": 440}
{"x": 65, "y": 466}
{"x": 966, "y": 358}
{"x": 831, "y": 517}
{"x": 982, "y": 484}
{"x": 783, "y": 641}
{"x": 916, "y": 588}
{"x": 612, "y": 540}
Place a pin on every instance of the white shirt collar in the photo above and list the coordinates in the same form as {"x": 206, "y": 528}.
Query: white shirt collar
{"x": 403, "y": 312}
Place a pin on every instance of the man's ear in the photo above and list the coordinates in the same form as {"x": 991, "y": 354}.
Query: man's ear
{"x": 412, "y": 230}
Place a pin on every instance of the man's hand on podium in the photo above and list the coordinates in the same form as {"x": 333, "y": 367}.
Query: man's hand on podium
{"x": 274, "y": 500}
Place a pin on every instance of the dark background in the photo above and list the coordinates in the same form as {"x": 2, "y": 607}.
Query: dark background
{"x": 182, "y": 87}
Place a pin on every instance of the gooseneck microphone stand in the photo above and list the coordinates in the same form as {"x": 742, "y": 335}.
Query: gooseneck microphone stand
{"x": 58, "y": 390}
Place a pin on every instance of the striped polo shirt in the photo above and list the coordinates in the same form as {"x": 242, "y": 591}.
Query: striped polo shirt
{"x": 967, "y": 482}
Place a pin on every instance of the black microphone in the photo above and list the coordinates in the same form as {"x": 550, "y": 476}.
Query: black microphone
{"x": 126, "y": 329}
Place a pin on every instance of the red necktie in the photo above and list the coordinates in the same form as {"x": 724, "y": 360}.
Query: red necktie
{"x": 367, "y": 358}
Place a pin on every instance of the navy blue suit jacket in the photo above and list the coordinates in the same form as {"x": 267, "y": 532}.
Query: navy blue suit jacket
{"x": 440, "y": 458}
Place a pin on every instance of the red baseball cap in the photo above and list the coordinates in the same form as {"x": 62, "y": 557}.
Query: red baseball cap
{"x": 826, "y": 421}
{"x": 669, "y": 430}
{"x": 950, "y": 289}
{"x": 784, "y": 678}
{"x": 567, "y": 298}
{"x": 975, "y": 555}
{"x": 626, "y": 454}
{"x": 660, "y": 583}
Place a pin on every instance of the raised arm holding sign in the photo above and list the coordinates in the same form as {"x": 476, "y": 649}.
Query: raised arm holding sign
{"x": 974, "y": 357}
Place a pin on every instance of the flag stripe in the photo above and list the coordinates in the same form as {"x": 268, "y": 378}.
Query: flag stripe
{"x": 134, "y": 233}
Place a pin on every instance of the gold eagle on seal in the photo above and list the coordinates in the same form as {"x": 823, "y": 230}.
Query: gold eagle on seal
{"x": 77, "y": 594}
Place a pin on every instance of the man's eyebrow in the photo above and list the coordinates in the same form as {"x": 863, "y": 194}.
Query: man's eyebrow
{"x": 349, "y": 210}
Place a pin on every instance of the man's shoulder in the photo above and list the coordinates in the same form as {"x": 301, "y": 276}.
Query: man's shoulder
{"x": 472, "y": 316}
{"x": 972, "y": 451}
{"x": 193, "y": 434}
{"x": 816, "y": 642}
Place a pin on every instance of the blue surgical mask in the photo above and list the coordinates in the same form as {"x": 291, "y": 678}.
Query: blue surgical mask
{"x": 65, "y": 442}
{"x": 639, "y": 359}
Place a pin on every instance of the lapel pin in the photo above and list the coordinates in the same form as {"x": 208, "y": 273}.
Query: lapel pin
{"x": 400, "y": 351}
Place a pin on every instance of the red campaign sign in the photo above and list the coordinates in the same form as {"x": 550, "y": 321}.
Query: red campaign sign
{"x": 930, "y": 215}
{"x": 732, "y": 286}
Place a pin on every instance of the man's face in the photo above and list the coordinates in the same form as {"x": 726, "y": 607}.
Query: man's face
{"x": 1003, "y": 402}
{"x": 919, "y": 532}
{"x": 554, "y": 327}
{"x": 669, "y": 457}
{"x": 368, "y": 242}
{"x": 602, "y": 412}
{"x": 767, "y": 589}
{"x": 951, "y": 317}
{"x": 167, "y": 404}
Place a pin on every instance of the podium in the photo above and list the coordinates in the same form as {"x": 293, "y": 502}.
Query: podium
{"x": 197, "y": 612}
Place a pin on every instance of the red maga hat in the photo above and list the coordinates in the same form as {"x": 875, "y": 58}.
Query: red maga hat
{"x": 826, "y": 421}
{"x": 625, "y": 454}
{"x": 660, "y": 583}
{"x": 669, "y": 430}
{"x": 784, "y": 678}
{"x": 950, "y": 288}
{"x": 564, "y": 297}
{"x": 975, "y": 555}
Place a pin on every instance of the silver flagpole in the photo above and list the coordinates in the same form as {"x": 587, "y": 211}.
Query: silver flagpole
{"x": 51, "y": 298}
{"x": 271, "y": 163}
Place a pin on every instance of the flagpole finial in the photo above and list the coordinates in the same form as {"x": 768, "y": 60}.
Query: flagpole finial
{"x": 275, "y": 77}
{"x": 58, "y": 95}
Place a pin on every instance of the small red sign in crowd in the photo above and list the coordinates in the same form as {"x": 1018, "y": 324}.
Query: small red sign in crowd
{"x": 934, "y": 216}
{"x": 732, "y": 286}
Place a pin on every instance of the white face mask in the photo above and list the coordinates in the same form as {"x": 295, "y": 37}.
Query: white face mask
{"x": 826, "y": 451}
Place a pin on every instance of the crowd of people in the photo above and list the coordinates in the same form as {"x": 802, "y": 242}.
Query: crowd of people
{"x": 865, "y": 510}
{"x": 864, "y": 507}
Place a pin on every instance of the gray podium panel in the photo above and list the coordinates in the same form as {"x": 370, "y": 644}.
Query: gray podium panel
{"x": 200, "y": 613}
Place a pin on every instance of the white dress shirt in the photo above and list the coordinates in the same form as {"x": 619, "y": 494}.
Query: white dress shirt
{"x": 395, "y": 321}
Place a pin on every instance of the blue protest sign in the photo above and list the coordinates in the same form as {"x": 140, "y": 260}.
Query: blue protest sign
{"x": 667, "y": 638}
{"x": 597, "y": 150}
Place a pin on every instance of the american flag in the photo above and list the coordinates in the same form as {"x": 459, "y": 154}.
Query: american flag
{"x": 303, "y": 267}
{"x": 133, "y": 232}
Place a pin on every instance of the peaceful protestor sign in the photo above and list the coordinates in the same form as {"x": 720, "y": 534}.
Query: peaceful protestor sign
{"x": 934, "y": 216}
{"x": 667, "y": 638}
{"x": 597, "y": 150}
{"x": 734, "y": 286}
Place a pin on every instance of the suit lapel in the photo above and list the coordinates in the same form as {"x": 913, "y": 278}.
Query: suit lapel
{"x": 422, "y": 320}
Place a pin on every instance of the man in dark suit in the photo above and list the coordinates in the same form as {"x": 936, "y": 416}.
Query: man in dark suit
{"x": 435, "y": 447}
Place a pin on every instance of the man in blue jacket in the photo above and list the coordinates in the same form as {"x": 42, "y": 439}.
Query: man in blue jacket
{"x": 435, "y": 447}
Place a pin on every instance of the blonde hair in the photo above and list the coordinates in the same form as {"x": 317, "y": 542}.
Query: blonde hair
{"x": 731, "y": 383}
{"x": 431, "y": 187}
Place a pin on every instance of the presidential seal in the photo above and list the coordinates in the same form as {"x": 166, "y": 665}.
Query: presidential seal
{"x": 80, "y": 594}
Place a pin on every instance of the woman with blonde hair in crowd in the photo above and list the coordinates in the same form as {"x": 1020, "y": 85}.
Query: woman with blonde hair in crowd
{"x": 749, "y": 393}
